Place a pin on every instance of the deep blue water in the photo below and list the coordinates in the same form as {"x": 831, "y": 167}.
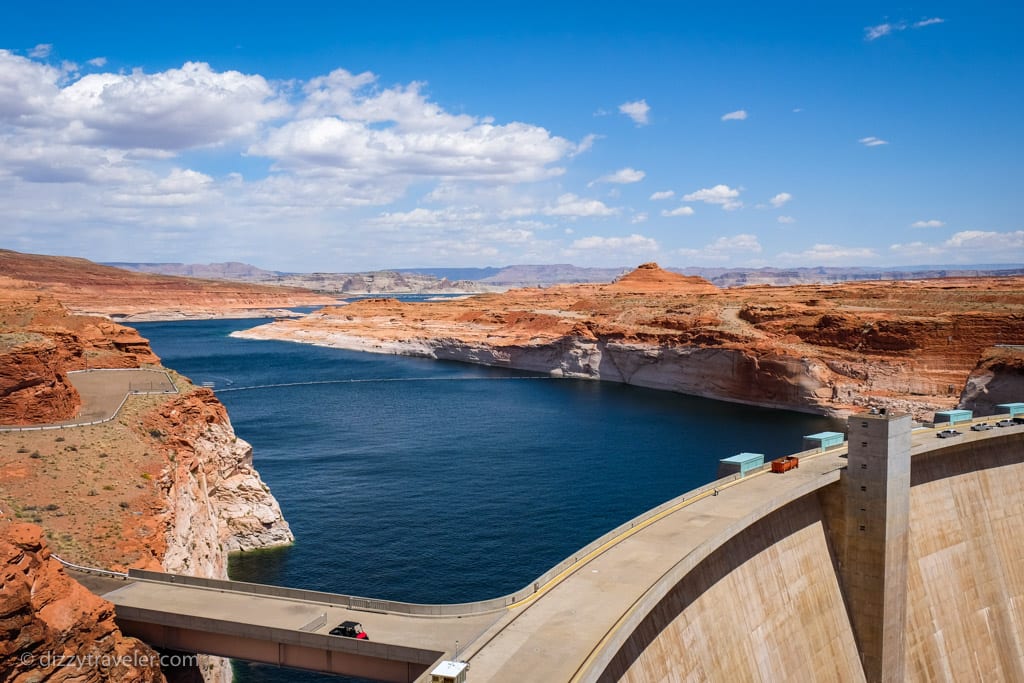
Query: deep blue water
{"x": 447, "y": 482}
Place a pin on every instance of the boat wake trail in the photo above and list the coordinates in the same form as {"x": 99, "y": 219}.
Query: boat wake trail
{"x": 381, "y": 379}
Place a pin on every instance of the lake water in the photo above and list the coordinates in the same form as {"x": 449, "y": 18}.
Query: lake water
{"x": 433, "y": 481}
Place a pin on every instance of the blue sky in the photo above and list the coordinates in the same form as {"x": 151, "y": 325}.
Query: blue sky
{"x": 359, "y": 136}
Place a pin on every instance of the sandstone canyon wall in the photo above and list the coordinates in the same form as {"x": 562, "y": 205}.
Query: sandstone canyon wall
{"x": 166, "y": 485}
{"x": 826, "y": 349}
{"x": 93, "y": 289}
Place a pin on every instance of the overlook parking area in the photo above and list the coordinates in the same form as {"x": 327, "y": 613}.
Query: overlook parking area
{"x": 103, "y": 393}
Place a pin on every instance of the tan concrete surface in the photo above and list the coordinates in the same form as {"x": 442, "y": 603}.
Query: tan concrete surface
{"x": 965, "y": 617}
{"x": 430, "y": 633}
{"x": 557, "y": 633}
{"x": 735, "y": 586}
{"x": 766, "y": 607}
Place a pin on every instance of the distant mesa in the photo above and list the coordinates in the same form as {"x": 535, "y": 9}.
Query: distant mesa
{"x": 89, "y": 288}
{"x": 651, "y": 278}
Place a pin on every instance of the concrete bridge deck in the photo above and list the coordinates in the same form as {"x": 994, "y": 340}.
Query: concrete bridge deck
{"x": 567, "y": 626}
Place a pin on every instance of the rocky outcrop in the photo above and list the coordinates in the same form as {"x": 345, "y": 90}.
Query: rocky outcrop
{"x": 33, "y": 389}
{"x": 53, "y": 629}
{"x": 213, "y": 500}
{"x": 997, "y": 378}
{"x": 216, "y": 501}
{"x": 167, "y": 485}
{"x": 821, "y": 349}
{"x": 40, "y": 342}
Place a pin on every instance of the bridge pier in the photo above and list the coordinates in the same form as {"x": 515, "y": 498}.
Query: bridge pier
{"x": 872, "y": 552}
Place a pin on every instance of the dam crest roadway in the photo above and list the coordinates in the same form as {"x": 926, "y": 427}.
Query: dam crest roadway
{"x": 741, "y": 579}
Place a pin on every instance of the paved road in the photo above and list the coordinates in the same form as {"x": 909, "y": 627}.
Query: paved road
{"x": 425, "y": 632}
{"x": 561, "y": 628}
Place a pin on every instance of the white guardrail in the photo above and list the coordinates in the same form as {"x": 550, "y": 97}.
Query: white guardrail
{"x": 89, "y": 570}
{"x": 128, "y": 394}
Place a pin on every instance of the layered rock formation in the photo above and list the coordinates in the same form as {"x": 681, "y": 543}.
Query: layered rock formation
{"x": 215, "y": 500}
{"x": 815, "y": 348}
{"x": 997, "y": 378}
{"x": 53, "y": 629}
{"x": 167, "y": 485}
{"x": 40, "y": 342}
{"x": 89, "y": 288}
{"x": 373, "y": 282}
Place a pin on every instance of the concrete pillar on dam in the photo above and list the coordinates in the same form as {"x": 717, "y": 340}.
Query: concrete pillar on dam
{"x": 873, "y": 554}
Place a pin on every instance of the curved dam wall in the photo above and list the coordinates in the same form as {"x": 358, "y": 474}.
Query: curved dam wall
{"x": 770, "y": 605}
{"x": 965, "y": 608}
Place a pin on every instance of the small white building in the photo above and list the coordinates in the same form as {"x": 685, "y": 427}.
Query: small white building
{"x": 449, "y": 672}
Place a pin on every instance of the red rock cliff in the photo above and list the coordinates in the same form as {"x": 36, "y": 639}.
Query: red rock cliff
{"x": 53, "y": 629}
{"x": 40, "y": 342}
{"x": 815, "y": 348}
{"x": 166, "y": 485}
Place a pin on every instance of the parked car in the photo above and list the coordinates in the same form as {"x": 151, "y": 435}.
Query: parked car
{"x": 946, "y": 433}
{"x": 350, "y": 629}
{"x": 1005, "y": 423}
{"x": 981, "y": 427}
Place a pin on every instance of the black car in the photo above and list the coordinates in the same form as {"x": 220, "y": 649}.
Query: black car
{"x": 350, "y": 629}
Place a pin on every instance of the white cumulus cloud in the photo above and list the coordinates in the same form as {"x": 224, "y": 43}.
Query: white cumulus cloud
{"x": 822, "y": 253}
{"x": 998, "y": 242}
{"x": 569, "y": 205}
{"x": 927, "y": 224}
{"x": 177, "y": 109}
{"x": 780, "y": 199}
{"x": 680, "y": 211}
{"x": 348, "y": 126}
{"x": 41, "y": 51}
{"x": 633, "y": 243}
{"x": 723, "y": 195}
{"x": 966, "y": 247}
{"x": 738, "y": 115}
{"x": 663, "y": 194}
{"x": 786, "y": 220}
{"x": 585, "y": 144}
{"x": 638, "y": 111}
{"x": 623, "y": 176}
{"x": 724, "y": 248}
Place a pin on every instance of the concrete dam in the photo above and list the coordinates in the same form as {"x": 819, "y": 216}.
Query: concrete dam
{"x": 897, "y": 556}
{"x": 776, "y": 602}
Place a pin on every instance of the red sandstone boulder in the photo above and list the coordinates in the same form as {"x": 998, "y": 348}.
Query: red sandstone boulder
{"x": 52, "y": 628}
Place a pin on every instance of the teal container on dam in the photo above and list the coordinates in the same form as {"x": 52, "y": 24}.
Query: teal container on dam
{"x": 1012, "y": 409}
{"x": 741, "y": 462}
{"x": 822, "y": 441}
{"x": 953, "y": 417}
